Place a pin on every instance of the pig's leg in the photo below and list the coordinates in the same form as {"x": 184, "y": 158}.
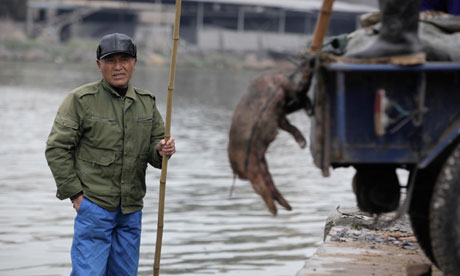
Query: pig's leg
{"x": 262, "y": 183}
{"x": 276, "y": 195}
{"x": 258, "y": 184}
{"x": 286, "y": 125}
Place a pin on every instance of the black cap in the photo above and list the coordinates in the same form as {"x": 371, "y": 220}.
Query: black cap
{"x": 116, "y": 43}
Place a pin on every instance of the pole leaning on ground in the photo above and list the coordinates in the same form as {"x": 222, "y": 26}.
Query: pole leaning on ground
{"x": 164, "y": 166}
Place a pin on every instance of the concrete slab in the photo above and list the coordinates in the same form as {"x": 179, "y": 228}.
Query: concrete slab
{"x": 356, "y": 244}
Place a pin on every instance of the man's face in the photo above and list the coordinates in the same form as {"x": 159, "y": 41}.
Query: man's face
{"x": 117, "y": 69}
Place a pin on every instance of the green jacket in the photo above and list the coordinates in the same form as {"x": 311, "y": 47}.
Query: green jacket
{"x": 100, "y": 144}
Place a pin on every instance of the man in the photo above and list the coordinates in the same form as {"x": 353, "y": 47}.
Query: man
{"x": 398, "y": 41}
{"x": 104, "y": 134}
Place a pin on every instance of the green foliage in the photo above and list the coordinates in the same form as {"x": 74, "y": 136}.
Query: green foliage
{"x": 73, "y": 51}
{"x": 19, "y": 45}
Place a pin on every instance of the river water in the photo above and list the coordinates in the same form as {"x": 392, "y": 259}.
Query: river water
{"x": 206, "y": 232}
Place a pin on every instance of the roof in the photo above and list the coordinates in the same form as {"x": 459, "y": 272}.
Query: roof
{"x": 293, "y": 5}
{"x": 302, "y": 5}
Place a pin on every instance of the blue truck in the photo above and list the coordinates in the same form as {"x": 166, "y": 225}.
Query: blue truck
{"x": 381, "y": 117}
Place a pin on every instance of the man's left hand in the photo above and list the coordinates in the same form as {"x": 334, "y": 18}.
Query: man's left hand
{"x": 168, "y": 148}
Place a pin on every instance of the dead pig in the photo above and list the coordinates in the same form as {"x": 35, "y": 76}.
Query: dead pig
{"x": 258, "y": 115}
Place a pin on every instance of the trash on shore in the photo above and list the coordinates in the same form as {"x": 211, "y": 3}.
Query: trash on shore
{"x": 357, "y": 244}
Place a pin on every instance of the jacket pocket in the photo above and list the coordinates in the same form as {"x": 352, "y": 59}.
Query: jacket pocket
{"x": 143, "y": 132}
{"x": 94, "y": 162}
{"x": 66, "y": 122}
{"x": 102, "y": 131}
{"x": 145, "y": 120}
{"x": 107, "y": 120}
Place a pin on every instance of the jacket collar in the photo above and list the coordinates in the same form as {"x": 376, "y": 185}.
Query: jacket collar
{"x": 130, "y": 93}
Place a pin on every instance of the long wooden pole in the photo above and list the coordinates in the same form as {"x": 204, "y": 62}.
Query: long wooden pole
{"x": 164, "y": 166}
{"x": 321, "y": 25}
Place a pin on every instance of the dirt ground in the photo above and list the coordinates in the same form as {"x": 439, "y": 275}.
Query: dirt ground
{"x": 356, "y": 245}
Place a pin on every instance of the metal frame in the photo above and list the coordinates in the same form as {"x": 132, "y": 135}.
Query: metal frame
{"x": 344, "y": 103}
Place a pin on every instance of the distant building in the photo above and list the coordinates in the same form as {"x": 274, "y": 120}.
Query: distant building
{"x": 239, "y": 25}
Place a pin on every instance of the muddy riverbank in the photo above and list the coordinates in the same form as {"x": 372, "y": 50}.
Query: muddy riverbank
{"x": 15, "y": 46}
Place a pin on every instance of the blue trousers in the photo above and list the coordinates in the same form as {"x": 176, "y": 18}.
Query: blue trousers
{"x": 105, "y": 243}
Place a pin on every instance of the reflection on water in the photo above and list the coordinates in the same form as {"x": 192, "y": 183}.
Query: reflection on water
{"x": 206, "y": 233}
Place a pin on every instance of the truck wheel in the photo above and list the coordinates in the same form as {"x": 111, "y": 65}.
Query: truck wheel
{"x": 419, "y": 210}
{"x": 445, "y": 216}
{"x": 376, "y": 188}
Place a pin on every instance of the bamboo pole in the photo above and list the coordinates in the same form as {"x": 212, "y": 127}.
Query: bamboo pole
{"x": 164, "y": 167}
{"x": 321, "y": 25}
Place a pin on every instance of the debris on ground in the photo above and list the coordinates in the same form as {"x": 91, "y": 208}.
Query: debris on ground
{"x": 356, "y": 244}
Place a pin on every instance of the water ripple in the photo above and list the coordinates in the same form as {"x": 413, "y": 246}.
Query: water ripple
{"x": 206, "y": 231}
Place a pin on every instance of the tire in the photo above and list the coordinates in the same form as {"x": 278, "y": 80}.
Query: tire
{"x": 419, "y": 210}
{"x": 445, "y": 216}
{"x": 376, "y": 188}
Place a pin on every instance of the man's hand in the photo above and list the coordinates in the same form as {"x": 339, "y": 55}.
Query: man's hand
{"x": 76, "y": 202}
{"x": 167, "y": 148}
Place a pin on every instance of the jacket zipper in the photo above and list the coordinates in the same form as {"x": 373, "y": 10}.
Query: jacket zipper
{"x": 123, "y": 127}
{"x": 123, "y": 121}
